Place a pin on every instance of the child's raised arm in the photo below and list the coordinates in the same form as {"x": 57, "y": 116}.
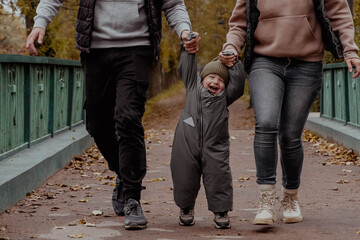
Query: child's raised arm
{"x": 187, "y": 67}
{"x": 235, "y": 87}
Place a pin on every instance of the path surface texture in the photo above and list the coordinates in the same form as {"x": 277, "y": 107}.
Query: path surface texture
{"x": 75, "y": 203}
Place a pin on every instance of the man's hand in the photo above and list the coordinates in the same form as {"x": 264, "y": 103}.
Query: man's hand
{"x": 356, "y": 62}
{"x": 227, "y": 59}
{"x": 36, "y": 33}
{"x": 191, "y": 46}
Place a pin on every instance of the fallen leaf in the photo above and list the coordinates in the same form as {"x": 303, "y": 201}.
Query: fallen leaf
{"x": 342, "y": 181}
{"x": 243, "y": 179}
{"x": 96, "y": 213}
{"x": 83, "y": 200}
{"x": 82, "y": 221}
{"x": 73, "y": 223}
{"x": 60, "y": 228}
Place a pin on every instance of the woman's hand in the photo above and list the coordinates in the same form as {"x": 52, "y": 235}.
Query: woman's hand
{"x": 228, "y": 57}
{"x": 356, "y": 62}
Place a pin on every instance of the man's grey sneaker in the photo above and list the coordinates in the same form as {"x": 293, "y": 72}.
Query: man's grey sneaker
{"x": 186, "y": 217}
{"x": 118, "y": 199}
{"x": 222, "y": 220}
{"x": 134, "y": 217}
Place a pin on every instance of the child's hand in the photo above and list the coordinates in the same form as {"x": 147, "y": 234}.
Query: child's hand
{"x": 227, "y": 58}
{"x": 191, "y": 46}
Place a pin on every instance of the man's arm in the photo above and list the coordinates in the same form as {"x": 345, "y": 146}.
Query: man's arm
{"x": 45, "y": 12}
{"x": 178, "y": 19}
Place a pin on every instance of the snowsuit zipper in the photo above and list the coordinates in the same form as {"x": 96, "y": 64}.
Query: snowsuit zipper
{"x": 200, "y": 128}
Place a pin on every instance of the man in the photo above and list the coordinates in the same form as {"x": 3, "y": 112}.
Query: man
{"x": 118, "y": 42}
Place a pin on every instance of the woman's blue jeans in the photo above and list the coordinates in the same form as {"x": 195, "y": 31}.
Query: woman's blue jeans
{"x": 282, "y": 92}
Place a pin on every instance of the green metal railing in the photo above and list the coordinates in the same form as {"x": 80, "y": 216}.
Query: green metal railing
{"x": 340, "y": 95}
{"x": 39, "y": 97}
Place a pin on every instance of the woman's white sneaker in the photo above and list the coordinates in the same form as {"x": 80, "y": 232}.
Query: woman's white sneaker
{"x": 265, "y": 214}
{"x": 290, "y": 204}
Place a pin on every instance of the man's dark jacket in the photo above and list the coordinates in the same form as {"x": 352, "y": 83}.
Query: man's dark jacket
{"x": 85, "y": 22}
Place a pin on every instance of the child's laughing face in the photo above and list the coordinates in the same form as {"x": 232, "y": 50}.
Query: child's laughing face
{"x": 214, "y": 83}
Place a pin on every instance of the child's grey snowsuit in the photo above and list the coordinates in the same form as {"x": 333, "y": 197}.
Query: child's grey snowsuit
{"x": 201, "y": 141}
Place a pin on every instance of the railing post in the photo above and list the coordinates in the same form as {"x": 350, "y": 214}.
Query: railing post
{"x": 51, "y": 102}
{"x": 27, "y": 103}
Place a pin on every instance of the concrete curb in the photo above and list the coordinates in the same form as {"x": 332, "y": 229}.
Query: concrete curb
{"x": 25, "y": 171}
{"x": 345, "y": 135}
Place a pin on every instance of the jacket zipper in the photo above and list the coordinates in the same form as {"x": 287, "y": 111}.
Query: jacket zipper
{"x": 201, "y": 127}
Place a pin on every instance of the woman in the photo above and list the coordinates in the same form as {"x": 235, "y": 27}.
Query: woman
{"x": 285, "y": 42}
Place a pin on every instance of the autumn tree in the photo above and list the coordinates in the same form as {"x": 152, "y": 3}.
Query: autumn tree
{"x": 59, "y": 41}
{"x": 12, "y": 32}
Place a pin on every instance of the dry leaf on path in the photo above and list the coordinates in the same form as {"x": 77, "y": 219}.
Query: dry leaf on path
{"x": 96, "y": 213}
{"x": 343, "y": 181}
{"x": 73, "y": 223}
{"x": 90, "y": 225}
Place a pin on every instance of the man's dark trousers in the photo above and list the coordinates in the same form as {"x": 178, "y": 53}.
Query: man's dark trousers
{"x": 116, "y": 82}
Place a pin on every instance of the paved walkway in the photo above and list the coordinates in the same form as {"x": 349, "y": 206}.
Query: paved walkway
{"x": 62, "y": 207}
